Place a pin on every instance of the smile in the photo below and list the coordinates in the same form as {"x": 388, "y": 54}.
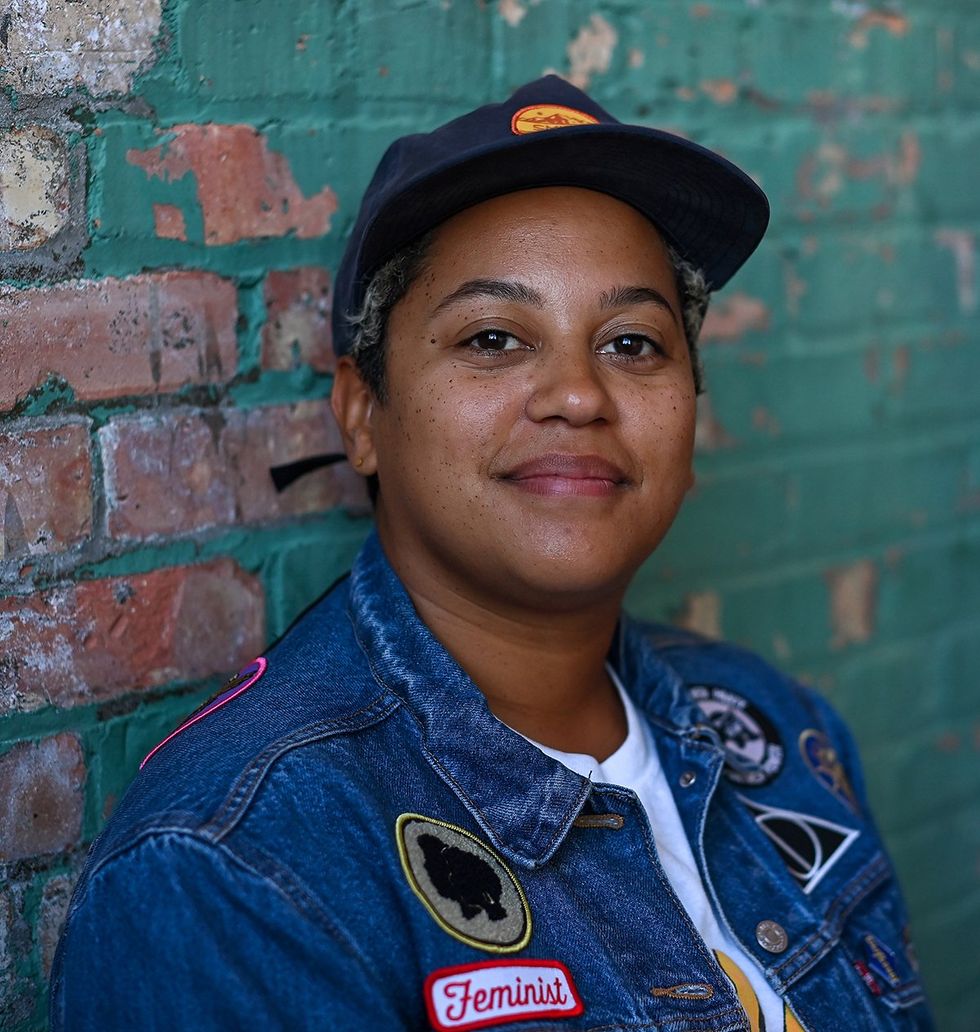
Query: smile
{"x": 567, "y": 475}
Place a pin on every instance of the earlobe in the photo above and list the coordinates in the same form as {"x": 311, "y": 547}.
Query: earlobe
{"x": 353, "y": 403}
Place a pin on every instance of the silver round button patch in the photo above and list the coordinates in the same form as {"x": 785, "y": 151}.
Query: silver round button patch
{"x": 771, "y": 937}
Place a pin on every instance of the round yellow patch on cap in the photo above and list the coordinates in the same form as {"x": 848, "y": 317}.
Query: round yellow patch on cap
{"x": 535, "y": 117}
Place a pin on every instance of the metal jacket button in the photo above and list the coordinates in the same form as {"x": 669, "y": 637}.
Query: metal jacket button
{"x": 771, "y": 936}
{"x": 687, "y": 779}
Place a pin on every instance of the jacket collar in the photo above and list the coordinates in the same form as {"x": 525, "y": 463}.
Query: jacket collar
{"x": 524, "y": 801}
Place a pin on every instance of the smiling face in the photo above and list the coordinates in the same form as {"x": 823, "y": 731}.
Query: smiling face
{"x": 535, "y": 441}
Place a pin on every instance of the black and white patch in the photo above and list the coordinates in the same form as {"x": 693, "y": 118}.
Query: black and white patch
{"x": 754, "y": 753}
{"x": 467, "y": 889}
{"x": 809, "y": 846}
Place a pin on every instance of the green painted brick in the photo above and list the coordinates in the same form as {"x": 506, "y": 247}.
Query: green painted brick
{"x": 923, "y": 774}
{"x": 866, "y": 281}
{"x": 938, "y": 875}
{"x": 782, "y": 614}
{"x": 928, "y": 586}
{"x": 827, "y": 503}
{"x": 115, "y": 748}
{"x": 391, "y": 72}
{"x": 297, "y": 575}
{"x": 252, "y": 49}
{"x": 946, "y": 187}
{"x": 959, "y": 679}
{"x": 812, "y": 41}
{"x": 948, "y": 933}
{"x": 889, "y": 691}
{"x": 885, "y": 694}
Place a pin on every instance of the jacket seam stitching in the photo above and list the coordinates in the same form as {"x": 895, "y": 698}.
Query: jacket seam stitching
{"x": 232, "y": 809}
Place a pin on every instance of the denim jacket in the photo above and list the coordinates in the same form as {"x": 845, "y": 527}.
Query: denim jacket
{"x": 347, "y": 838}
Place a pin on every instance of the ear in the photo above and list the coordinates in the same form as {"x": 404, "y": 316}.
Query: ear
{"x": 352, "y": 403}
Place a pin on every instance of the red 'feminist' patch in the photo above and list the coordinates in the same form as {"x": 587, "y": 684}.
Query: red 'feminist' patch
{"x": 495, "y": 992}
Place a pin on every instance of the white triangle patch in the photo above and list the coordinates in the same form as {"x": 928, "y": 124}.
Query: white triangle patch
{"x": 809, "y": 846}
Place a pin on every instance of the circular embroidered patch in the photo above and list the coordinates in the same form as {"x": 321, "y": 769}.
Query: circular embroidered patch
{"x": 467, "y": 889}
{"x": 537, "y": 117}
{"x": 754, "y": 753}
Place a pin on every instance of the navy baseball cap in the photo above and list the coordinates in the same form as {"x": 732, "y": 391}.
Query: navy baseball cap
{"x": 550, "y": 134}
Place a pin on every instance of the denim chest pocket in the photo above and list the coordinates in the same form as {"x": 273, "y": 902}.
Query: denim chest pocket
{"x": 877, "y": 943}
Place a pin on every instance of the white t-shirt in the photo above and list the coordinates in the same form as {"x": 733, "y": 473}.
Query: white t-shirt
{"x": 635, "y": 765}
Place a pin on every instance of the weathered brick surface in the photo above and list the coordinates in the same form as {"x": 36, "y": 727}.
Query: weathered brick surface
{"x": 34, "y": 187}
{"x": 98, "y": 44}
{"x": 54, "y": 908}
{"x": 267, "y": 437}
{"x": 166, "y": 474}
{"x": 191, "y": 470}
{"x": 297, "y": 326}
{"x": 41, "y": 796}
{"x": 110, "y": 338}
{"x": 17, "y": 994}
{"x": 45, "y": 488}
{"x": 243, "y": 187}
{"x": 97, "y": 639}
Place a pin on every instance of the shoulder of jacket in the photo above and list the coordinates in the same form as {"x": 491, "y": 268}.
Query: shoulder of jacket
{"x": 312, "y": 684}
{"x": 703, "y": 662}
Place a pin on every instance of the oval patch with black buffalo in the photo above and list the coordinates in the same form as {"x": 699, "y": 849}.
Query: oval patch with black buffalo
{"x": 754, "y": 753}
{"x": 467, "y": 889}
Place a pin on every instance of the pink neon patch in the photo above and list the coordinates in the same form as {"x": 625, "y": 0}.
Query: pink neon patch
{"x": 217, "y": 702}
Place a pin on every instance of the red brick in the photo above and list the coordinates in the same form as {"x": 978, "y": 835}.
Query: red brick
{"x": 275, "y": 435}
{"x": 97, "y": 639}
{"x": 45, "y": 488}
{"x": 108, "y": 338}
{"x": 169, "y": 222}
{"x": 245, "y": 190}
{"x": 165, "y": 474}
{"x": 41, "y": 797}
{"x": 297, "y": 328}
{"x": 189, "y": 470}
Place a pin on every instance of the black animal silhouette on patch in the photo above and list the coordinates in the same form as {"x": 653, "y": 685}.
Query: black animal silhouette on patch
{"x": 463, "y": 877}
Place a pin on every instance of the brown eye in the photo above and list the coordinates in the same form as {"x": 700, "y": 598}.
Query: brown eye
{"x": 493, "y": 341}
{"x": 631, "y": 345}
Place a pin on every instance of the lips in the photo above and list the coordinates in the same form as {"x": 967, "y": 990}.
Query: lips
{"x": 561, "y": 474}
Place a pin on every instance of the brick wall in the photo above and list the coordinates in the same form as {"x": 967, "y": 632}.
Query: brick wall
{"x": 175, "y": 185}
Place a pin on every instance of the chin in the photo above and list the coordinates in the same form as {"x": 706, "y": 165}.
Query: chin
{"x": 573, "y": 575}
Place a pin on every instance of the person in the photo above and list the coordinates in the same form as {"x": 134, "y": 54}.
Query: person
{"x": 466, "y": 790}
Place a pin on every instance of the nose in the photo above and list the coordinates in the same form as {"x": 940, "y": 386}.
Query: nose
{"x": 568, "y": 384}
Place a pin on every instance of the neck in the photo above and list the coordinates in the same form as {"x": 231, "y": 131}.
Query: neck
{"x": 542, "y": 672}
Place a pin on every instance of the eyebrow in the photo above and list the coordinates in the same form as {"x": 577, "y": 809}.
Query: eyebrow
{"x": 499, "y": 290}
{"x": 623, "y": 297}
{"x": 521, "y": 294}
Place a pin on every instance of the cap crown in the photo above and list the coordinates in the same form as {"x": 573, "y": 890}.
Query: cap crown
{"x": 549, "y": 133}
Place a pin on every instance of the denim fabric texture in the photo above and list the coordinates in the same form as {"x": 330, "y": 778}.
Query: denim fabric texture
{"x": 251, "y": 877}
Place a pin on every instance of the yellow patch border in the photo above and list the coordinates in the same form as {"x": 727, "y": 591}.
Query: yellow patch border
{"x": 403, "y": 819}
{"x": 587, "y": 119}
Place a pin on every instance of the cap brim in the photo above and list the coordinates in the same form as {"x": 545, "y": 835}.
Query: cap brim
{"x": 710, "y": 210}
